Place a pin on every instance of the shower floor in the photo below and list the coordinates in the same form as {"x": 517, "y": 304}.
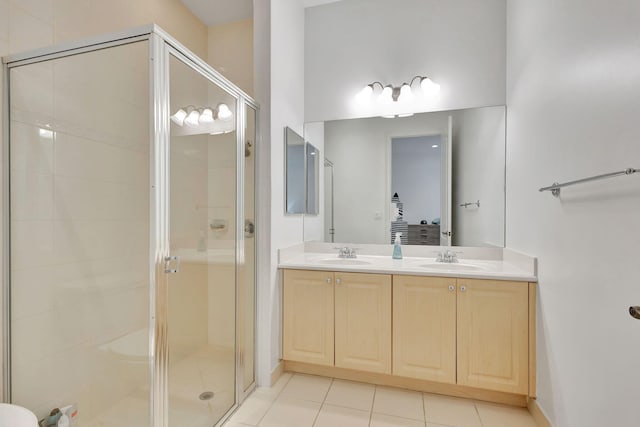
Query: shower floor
{"x": 210, "y": 369}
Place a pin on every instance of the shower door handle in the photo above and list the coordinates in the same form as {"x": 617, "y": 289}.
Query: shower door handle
{"x": 171, "y": 261}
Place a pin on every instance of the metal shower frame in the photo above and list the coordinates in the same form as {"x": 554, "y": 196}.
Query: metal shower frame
{"x": 161, "y": 47}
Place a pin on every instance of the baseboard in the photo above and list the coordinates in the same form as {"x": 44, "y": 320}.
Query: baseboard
{"x": 277, "y": 373}
{"x": 537, "y": 414}
{"x": 407, "y": 383}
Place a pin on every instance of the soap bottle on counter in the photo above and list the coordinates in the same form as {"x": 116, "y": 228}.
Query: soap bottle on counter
{"x": 397, "y": 248}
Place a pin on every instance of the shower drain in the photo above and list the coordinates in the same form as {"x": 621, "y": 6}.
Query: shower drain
{"x": 207, "y": 395}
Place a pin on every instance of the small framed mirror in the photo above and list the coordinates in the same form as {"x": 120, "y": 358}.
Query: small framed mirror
{"x": 295, "y": 202}
{"x": 313, "y": 176}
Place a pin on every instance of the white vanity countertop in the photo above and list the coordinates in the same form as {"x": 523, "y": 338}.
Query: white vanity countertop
{"x": 474, "y": 263}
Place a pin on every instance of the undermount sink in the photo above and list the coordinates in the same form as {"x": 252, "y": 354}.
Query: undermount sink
{"x": 343, "y": 261}
{"x": 452, "y": 266}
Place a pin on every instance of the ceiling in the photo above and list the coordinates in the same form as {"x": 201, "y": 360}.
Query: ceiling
{"x": 215, "y": 12}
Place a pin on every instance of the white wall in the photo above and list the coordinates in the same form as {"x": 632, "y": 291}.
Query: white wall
{"x": 415, "y": 176}
{"x": 460, "y": 44}
{"x": 573, "y": 82}
{"x": 279, "y": 46}
{"x": 478, "y": 164}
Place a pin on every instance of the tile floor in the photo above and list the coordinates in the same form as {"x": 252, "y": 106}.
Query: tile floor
{"x": 304, "y": 400}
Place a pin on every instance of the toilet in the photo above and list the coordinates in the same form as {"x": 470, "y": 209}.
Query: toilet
{"x": 16, "y": 416}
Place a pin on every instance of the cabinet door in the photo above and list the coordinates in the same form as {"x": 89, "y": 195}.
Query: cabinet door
{"x": 363, "y": 322}
{"x": 307, "y": 311}
{"x": 424, "y": 328}
{"x": 493, "y": 336}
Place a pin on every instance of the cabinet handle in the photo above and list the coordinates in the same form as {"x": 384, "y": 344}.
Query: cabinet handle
{"x": 329, "y": 280}
{"x": 338, "y": 281}
{"x": 463, "y": 288}
{"x": 452, "y": 288}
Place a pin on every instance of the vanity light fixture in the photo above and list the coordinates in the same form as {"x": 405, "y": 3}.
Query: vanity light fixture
{"x": 206, "y": 116}
{"x": 403, "y": 93}
{"x": 395, "y": 116}
{"x": 193, "y": 117}
{"x": 179, "y": 116}
{"x": 224, "y": 113}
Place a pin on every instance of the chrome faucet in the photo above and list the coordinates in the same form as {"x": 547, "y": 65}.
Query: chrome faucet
{"x": 447, "y": 256}
{"x": 346, "y": 252}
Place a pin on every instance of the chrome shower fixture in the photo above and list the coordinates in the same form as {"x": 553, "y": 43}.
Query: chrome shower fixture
{"x": 194, "y": 116}
{"x": 405, "y": 92}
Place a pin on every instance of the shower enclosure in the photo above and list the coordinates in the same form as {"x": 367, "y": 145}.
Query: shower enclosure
{"x": 129, "y": 246}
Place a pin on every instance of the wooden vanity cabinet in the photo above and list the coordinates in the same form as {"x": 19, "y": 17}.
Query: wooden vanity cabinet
{"x": 424, "y": 328}
{"x": 462, "y": 331}
{"x": 337, "y": 319}
{"x": 363, "y": 322}
{"x": 308, "y": 317}
{"x": 471, "y": 336}
{"x": 493, "y": 335}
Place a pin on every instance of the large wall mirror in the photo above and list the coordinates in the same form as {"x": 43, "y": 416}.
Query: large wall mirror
{"x": 439, "y": 178}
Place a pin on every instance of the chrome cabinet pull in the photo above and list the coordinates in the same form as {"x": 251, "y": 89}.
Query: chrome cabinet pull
{"x": 463, "y": 288}
{"x": 338, "y": 281}
{"x": 329, "y": 280}
{"x": 168, "y": 260}
{"x": 452, "y": 288}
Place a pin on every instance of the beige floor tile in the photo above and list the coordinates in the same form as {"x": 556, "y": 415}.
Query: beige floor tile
{"x": 382, "y": 420}
{"x": 307, "y": 387}
{"x": 493, "y": 415}
{"x": 451, "y": 411}
{"x": 351, "y": 395}
{"x": 232, "y": 424}
{"x": 337, "y": 416}
{"x": 399, "y": 403}
{"x": 290, "y": 412}
{"x": 280, "y": 384}
{"x": 253, "y": 409}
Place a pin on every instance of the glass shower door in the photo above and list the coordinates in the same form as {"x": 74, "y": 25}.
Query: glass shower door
{"x": 201, "y": 314}
{"x": 79, "y": 234}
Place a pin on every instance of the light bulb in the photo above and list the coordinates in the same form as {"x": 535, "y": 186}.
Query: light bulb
{"x": 386, "y": 97}
{"x": 179, "y": 116}
{"x": 429, "y": 87}
{"x": 364, "y": 95}
{"x": 192, "y": 118}
{"x": 405, "y": 93}
{"x": 224, "y": 113}
{"x": 206, "y": 116}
